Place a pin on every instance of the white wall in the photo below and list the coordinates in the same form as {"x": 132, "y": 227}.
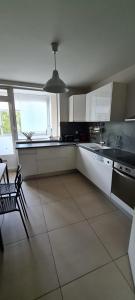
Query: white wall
{"x": 11, "y": 161}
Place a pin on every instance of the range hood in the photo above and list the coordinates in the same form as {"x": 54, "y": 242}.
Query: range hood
{"x": 132, "y": 118}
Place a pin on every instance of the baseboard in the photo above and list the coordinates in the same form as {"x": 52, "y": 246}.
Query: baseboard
{"x": 37, "y": 176}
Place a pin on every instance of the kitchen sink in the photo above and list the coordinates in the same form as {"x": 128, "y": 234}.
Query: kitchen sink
{"x": 94, "y": 146}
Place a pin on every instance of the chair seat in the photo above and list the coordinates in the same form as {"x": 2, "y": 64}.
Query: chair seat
{"x": 7, "y": 188}
{"x": 8, "y": 204}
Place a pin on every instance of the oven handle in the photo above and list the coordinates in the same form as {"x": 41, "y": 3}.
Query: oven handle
{"x": 125, "y": 176}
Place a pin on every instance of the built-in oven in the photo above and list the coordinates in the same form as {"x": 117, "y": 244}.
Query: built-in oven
{"x": 123, "y": 184}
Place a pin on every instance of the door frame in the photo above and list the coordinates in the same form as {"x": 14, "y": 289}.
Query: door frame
{"x": 11, "y": 158}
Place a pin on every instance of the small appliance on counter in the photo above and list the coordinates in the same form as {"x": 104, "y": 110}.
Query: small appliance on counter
{"x": 68, "y": 138}
{"x": 76, "y": 136}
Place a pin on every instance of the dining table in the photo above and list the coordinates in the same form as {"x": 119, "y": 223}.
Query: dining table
{"x": 3, "y": 173}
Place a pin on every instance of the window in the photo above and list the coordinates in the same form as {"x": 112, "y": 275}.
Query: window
{"x": 6, "y": 143}
{"x": 3, "y": 92}
{"x": 36, "y": 112}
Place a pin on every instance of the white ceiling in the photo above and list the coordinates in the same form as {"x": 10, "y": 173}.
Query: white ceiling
{"x": 97, "y": 39}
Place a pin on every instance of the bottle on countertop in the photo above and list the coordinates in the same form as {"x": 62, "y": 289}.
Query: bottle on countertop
{"x": 76, "y": 136}
{"x": 51, "y": 135}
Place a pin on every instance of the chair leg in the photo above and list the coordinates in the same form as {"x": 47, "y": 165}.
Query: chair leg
{"x": 22, "y": 219}
{"x": 23, "y": 207}
{"x": 23, "y": 196}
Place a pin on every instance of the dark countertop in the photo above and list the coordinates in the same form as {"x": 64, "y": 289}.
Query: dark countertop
{"x": 117, "y": 155}
{"x": 42, "y": 145}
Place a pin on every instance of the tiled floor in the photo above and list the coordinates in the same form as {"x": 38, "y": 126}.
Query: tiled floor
{"x": 77, "y": 248}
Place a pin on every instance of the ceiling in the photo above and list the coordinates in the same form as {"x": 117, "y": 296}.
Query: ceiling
{"x": 97, "y": 39}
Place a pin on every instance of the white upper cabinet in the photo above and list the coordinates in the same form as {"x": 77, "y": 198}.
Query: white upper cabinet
{"x": 77, "y": 108}
{"x": 107, "y": 103}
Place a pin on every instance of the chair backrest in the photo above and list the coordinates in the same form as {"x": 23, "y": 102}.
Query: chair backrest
{"x": 18, "y": 171}
{"x": 18, "y": 184}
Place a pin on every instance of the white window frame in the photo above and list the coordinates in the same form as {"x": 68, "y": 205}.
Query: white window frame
{"x": 12, "y": 113}
{"x": 10, "y": 100}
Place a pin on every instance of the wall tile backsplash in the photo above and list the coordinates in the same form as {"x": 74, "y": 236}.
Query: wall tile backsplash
{"x": 120, "y": 134}
{"x": 114, "y": 134}
{"x": 70, "y": 129}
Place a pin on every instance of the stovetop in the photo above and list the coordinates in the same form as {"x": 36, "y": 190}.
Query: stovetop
{"x": 121, "y": 156}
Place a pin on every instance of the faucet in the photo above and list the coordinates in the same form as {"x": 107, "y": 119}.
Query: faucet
{"x": 101, "y": 142}
{"x": 118, "y": 141}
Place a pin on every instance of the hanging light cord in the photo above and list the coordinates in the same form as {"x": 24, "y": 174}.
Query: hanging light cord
{"x": 55, "y": 60}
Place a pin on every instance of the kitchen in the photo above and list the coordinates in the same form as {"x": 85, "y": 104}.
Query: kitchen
{"x": 78, "y": 169}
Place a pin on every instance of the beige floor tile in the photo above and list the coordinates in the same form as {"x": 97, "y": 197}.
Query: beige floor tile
{"x": 105, "y": 283}
{"x": 27, "y": 270}
{"x": 50, "y": 180}
{"x": 36, "y": 223}
{"x": 73, "y": 178}
{"x": 31, "y": 192}
{"x": 77, "y": 251}
{"x": 12, "y": 228}
{"x": 31, "y": 183}
{"x": 94, "y": 204}
{"x": 124, "y": 266}
{"x": 56, "y": 295}
{"x": 61, "y": 213}
{"x": 114, "y": 231}
{"x": 76, "y": 190}
{"x": 50, "y": 193}
{"x": 79, "y": 187}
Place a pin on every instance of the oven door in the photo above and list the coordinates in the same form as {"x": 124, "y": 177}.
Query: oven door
{"x": 123, "y": 186}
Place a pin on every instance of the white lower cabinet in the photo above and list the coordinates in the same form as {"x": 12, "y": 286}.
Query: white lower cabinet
{"x": 96, "y": 168}
{"x": 55, "y": 159}
{"x": 28, "y": 161}
{"x": 46, "y": 160}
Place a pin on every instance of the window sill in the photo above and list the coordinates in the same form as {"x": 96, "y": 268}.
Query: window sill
{"x": 54, "y": 139}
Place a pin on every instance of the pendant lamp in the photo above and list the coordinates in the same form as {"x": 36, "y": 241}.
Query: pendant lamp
{"x": 55, "y": 84}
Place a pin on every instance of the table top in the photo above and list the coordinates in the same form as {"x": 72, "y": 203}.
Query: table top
{"x": 2, "y": 169}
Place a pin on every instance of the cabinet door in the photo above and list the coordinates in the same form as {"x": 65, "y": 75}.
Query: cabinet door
{"x": 79, "y": 108}
{"x": 84, "y": 162}
{"x": 103, "y": 182}
{"x": 28, "y": 161}
{"x": 88, "y": 164}
{"x": 98, "y": 104}
{"x": 71, "y": 109}
{"x": 55, "y": 159}
{"x": 81, "y": 161}
{"x": 90, "y": 107}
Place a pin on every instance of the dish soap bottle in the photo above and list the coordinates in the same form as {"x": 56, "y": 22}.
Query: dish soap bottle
{"x": 76, "y": 136}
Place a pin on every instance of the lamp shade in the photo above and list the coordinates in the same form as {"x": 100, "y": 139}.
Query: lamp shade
{"x": 55, "y": 84}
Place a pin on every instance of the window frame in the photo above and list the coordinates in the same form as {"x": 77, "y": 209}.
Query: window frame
{"x": 12, "y": 112}
{"x": 10, "y": 100}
